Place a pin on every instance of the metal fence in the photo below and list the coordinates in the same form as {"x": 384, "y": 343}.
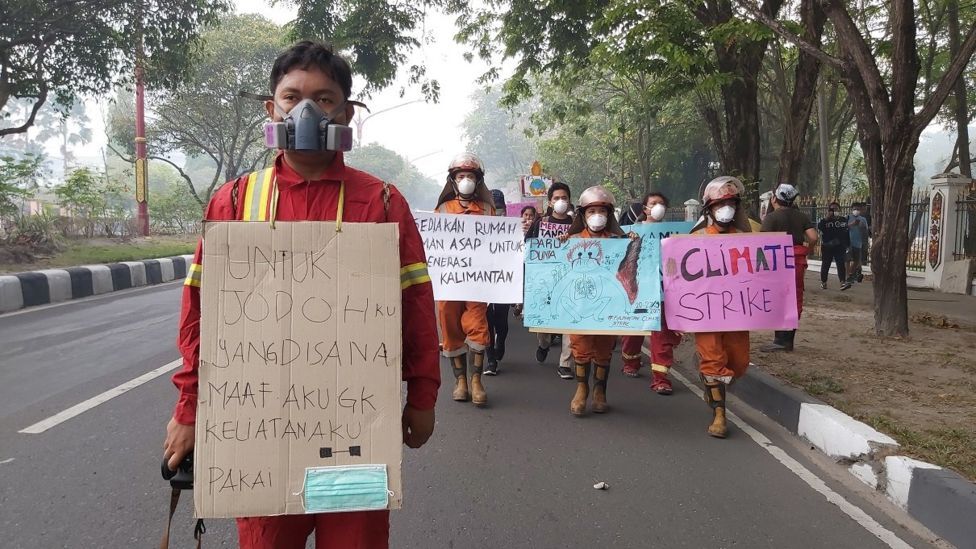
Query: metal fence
{"x": 918, "y": 220}
{"x": 964, "y": 243}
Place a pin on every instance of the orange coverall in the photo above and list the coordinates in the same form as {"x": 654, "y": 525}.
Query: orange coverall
{"x": 464, "y": 324}
{"x": 587, "y": 347}
{"x": 301, "y": 200}
{"x": 722, "y": 353}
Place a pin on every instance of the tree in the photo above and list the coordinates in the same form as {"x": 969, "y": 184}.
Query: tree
{"x": 206, "y": 116}
{"x": 692, "y": 45}
{"x": 420, "y": 191}
{"x": 82, "y": 196}
{"x": 498, "y": 137}
{"x": 64, "y": 49}
{"x": 18, "y": 181}
{"x": 376, "y": 35}
{"x": 175, "y": 209}
{"x": 889, "y": 125}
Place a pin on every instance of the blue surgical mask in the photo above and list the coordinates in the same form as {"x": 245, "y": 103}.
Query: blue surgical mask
{"x": 306, "y": 127}
{"x": 346, "y": 488}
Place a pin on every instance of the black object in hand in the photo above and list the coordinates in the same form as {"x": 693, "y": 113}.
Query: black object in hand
{"x": 182, "y": 477}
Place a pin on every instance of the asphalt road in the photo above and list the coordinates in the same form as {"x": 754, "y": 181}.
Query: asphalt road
{"x": 517, "y": 474}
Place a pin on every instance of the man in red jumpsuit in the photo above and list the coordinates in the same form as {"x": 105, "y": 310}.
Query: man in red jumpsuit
{"x": 316, "y": 185}
{"x": 464, "y": 324}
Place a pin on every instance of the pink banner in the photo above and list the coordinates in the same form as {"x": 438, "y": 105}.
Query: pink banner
{"x": 727, "y": 283}
{"x": 515, "y": 209}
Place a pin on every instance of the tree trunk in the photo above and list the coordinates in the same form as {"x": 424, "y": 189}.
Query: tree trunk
{"x": 890, "y": 250}
{"x": 961, "y": 108}
{"x": 801, "y": 104}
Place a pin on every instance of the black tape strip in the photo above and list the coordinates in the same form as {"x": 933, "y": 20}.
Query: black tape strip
{"x": 121, "y": 276}
{"x": 154, "y": 273}
{"x": 82, "y": 284}
{"x": 34, "y": 288}
{"x": 179, "y": 267}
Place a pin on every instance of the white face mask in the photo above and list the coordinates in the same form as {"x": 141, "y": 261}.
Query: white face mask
{"x": 856, "y": 212}
{"x": 596, "y": 222}
{"x": 725, "y": 214}
{"x": 560, "y": 206}
{"x": 658, "y": 211}
{"x": 466, "y": 185}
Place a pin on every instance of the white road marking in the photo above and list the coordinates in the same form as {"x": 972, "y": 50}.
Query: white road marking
{"x": 6, "y": 461}
{"x": 807, "y": 476}
{"x": 94, "y": 401}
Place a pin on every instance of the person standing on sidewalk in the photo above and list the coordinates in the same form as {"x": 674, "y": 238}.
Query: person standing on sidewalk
{"x": 834, "y": 240}
{"x": 663, "y": 342}
{"x": 498, "y": 312}
{"x": 858, "y": 230}
{"x": 464, "y": 324}
{"x": 786, "y": 218}
{"x": 554, "y": 224}
{"x": 723, "y": 356}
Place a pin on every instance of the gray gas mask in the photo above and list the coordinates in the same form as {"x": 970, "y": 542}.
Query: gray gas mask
{"x": 306, "y": 127}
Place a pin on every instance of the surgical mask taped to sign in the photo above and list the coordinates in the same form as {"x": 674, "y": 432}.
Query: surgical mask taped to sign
{"x": 596, "y": 222}
{"x": 346, "y": 488}
{"x": 306, "y": 127}
{"x": 466, "y": 185}
{"x": 725, "y": 214}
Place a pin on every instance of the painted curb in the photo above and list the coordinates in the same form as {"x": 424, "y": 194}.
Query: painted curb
{"x": 21, "y": 290}
{"x": 940, "y": 499}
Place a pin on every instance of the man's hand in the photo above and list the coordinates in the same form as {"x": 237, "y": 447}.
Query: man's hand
{"x": 418, "y": 425}
{"x": 179, "y": 442}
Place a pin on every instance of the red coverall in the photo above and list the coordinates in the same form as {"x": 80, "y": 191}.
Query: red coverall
{"x": 464, "y": 324}
{"x": 662, "y": 348}
{"x": 301, "y": 200}
{"x": 722, "y": 353}
{"x": 587, "y": 347}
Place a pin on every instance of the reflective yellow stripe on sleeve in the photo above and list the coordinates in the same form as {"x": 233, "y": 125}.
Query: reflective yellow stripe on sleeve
{"x": 415, "y": 273}
{"x": 194, "y": 275}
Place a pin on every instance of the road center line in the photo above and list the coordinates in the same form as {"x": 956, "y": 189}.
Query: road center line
{"x": 807, "y": 476}
{"x": 94, "y": 401}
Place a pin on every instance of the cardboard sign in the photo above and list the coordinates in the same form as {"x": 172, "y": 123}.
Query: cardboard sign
{"x": 473, "y": 257}
{"x": 534, "y": 186}
{"x": 300, "y": 367}
{"x": 592, "y": 286}
{"x": 515, "y": 209}
{"x": 727, "y": 283}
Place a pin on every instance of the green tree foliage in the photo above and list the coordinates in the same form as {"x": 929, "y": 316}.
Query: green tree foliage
{"x": 420, "y": 191}
{"x": 498, "y": 136}
{"x": 174, "y": 210}
{"x": 65, "y": 49}
{"x": 19, "y": 180}
{"x": 206, "y": 117}
{"x": 95, "y": 204}
{"x": 376, "y": 35}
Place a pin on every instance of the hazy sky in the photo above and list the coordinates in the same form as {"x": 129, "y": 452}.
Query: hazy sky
{"x": 429, "y": 134}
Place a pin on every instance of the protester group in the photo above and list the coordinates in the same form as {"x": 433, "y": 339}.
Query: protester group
{"x": 310, "y": 108}
{"x": 480, "y": 329}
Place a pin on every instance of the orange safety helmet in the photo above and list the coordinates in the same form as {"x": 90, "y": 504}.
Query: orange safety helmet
{"x": 467, "y": 162}
{"x": 722, "y": 188}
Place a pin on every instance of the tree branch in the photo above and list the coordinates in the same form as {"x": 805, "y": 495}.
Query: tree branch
{"x": 781, "y": 30}
{"x": 189, "y": 182}
{"x": 41, "y": 98}
{"x": 948, "y": 81}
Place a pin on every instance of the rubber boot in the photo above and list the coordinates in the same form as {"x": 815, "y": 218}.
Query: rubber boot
{"x": 790, "y": 336}
{"x": 779, "y": 343}
{"x": 460, "y": 365}
{"x": 600, "y": 374}
{"x": 478, "y": 395}
{"x": 578, "y": 406}
{"x": 715, "y": 396}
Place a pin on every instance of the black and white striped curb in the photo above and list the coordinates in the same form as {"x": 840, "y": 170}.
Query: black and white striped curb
{"x": 942, "y": 500}
{"x": 53, "y": 285}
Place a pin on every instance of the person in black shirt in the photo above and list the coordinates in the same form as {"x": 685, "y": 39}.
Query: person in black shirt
{"x": 497, "y": 313}
{"x": 785, "y": 218}
{"x": 834, "y": 241}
